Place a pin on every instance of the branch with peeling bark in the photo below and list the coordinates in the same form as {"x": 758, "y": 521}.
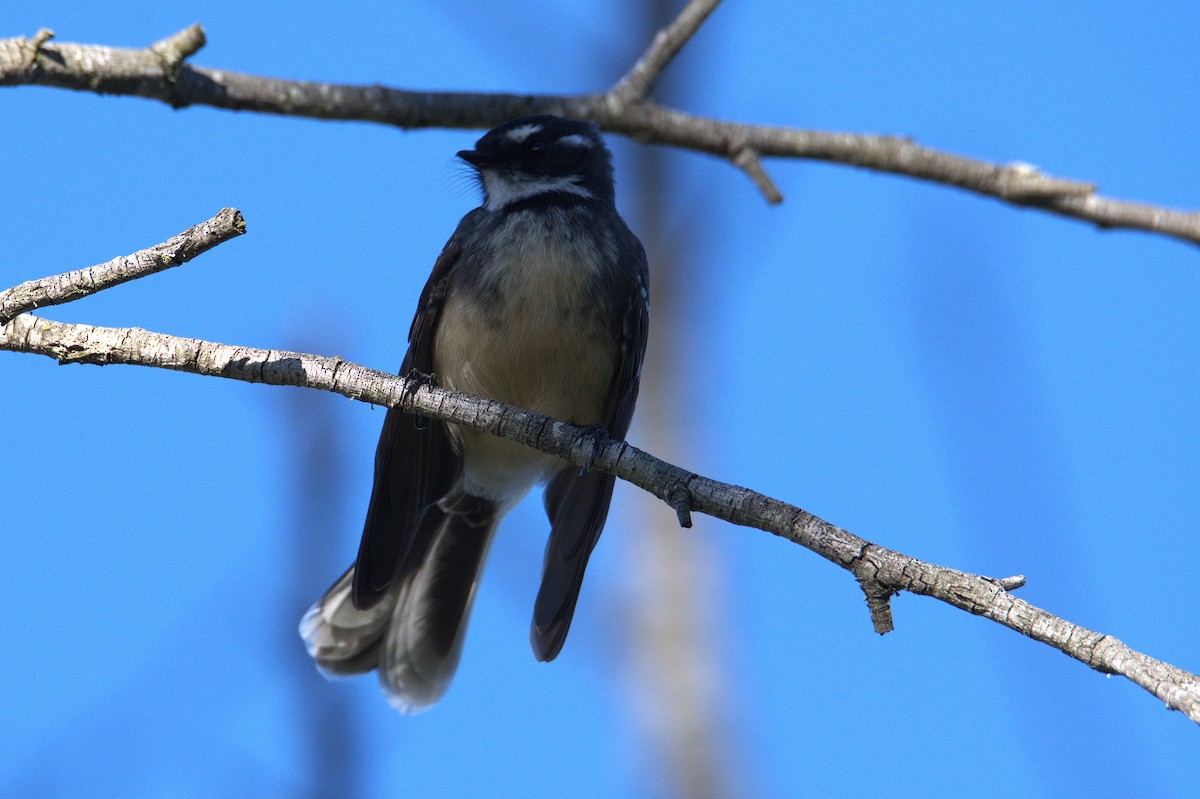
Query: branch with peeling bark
{"x": 160, "y": 72}
{"x": 881, "y": 572}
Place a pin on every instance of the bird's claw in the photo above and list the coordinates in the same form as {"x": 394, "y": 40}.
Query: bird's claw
{"x": 598, "y": 437}
{"x": 416, "y": 379}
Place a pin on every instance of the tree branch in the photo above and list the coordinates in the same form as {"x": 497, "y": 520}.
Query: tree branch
{"x": 667, "y": 43}
{"x": 881, "y": 572}
{"x": 159, "y": 73}
{"x": 176, "y": 251}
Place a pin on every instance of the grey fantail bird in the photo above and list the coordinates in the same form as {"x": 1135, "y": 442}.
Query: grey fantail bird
{"x": 539, "y": 300}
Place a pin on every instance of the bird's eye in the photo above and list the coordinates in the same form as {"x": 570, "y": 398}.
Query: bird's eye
{"x": 537, "y": 148}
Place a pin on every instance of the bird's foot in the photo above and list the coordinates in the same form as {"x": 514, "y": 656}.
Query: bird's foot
{"x": 416, "y": 379}
{"x": 597, "y": 435}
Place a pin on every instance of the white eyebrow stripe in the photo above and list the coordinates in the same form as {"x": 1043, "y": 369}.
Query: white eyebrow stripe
{"x": 576, "y": 140}
{"x": 523, "y": 132}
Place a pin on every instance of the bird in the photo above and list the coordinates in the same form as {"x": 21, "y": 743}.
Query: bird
{"x": 539, "y": 299}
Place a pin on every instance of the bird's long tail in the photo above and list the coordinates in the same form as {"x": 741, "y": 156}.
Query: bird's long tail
{"x": 414, "y": 635}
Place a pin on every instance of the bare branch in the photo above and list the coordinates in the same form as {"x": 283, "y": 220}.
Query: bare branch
{"x": 147, "y": 73}
{"x": 881, "y": 571}
{"x": 69, "y": 286}
{"x": 667, "y": 43}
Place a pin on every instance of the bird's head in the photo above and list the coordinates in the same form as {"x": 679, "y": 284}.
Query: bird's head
{"x": 541, "y": 156}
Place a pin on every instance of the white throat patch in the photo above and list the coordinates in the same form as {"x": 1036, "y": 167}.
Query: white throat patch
{"x": 504, "y": 188}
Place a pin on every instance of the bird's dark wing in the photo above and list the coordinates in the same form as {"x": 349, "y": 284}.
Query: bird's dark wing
{"x": 577, "y": 504}
{"x": 414, "y": 463}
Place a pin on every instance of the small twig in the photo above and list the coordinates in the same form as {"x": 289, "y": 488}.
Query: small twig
{"x": 747, "y": 160}
{"x": 879, "y": 606}
{"x": 1011, "y": 583}
{"x": 667, "y": 43}
{"x": 1022, "y": 182}
{"x": 177, "y": 48}
{"x": 680, "y": 499}
{"x": 175, "y": 251}
{"x": 41, "y": 37}
{"x": 28, "y": 50}
{"x": 877, "y": 594}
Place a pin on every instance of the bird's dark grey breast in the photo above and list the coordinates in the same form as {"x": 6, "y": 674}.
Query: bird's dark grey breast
{"x": 560, "y": 260}
{"x": 531, "y": 317}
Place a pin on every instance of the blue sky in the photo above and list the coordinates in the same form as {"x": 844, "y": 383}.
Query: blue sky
{"x": 989, "y": 388}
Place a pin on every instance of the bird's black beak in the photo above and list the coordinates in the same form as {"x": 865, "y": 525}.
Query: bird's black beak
{"x": 474, "y": 158}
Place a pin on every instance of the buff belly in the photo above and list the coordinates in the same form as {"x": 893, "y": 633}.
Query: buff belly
{"x": 531, "y": 341}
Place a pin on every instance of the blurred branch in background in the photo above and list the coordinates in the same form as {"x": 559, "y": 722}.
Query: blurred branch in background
{"x": 161, "y": 72}
{"x": 313, "y": 445}
{"x": 676, "y": 647}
